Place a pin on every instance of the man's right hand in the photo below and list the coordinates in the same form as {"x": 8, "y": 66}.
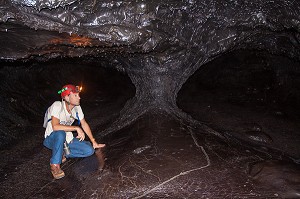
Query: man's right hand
{"x": 80, "y": 133}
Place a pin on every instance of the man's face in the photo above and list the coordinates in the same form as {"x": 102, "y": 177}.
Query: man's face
{"x": 74, "y": 98}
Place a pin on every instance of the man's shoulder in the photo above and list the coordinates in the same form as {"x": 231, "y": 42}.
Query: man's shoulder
{"x": 77, "y": 108}
{"x": 56, "y": 104}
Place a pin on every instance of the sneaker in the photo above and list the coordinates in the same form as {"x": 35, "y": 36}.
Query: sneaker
{"x": 56, "y": 171}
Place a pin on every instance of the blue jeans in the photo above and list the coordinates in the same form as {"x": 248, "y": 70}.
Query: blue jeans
{"x": 55, "y": 142}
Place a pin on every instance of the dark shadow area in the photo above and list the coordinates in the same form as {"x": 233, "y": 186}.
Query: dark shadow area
{"x": 250, "y": 95}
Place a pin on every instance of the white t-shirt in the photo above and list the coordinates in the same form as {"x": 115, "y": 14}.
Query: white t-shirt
{"x": 58, "y": 109}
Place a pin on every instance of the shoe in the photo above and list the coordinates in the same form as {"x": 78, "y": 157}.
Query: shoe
{"x": 56, "y": 171}
{"x": 64, "y": 159}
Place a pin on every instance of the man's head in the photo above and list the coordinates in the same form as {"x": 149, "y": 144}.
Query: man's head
{"x": 70, "y": 94}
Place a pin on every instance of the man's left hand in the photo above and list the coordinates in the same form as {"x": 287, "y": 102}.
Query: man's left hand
{"x": 97, "y": 146}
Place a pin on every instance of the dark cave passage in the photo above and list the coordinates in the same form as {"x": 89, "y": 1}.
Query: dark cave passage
{"x": 250, "y": 95}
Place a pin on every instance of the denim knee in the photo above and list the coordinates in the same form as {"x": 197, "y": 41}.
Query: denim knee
{"x": 54, "y": 137}
{"x": 60, "y": 135}
{"x": 89, "y": 150}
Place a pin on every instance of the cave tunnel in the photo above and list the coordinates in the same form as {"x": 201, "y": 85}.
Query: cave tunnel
{"x": 193, "y": 99}
{"x": 245, "y": 92}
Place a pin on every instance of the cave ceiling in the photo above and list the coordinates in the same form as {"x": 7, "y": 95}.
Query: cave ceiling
{"x": 165, "y": 30}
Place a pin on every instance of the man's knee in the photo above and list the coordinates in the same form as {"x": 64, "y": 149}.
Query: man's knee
{"x": 89, "y": 150}
{"x": 60, "y": 135}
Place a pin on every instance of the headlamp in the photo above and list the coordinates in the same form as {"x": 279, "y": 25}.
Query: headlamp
{"x": 78, "y": 89}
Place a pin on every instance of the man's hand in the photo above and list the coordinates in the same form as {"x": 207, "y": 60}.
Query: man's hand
{"x": 96, "y": 145}
{"x": 81, "y": 134}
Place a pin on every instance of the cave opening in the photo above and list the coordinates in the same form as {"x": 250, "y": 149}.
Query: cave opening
{"x": 254, "y": 94}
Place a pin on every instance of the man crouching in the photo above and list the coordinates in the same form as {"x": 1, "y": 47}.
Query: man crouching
{"x": 58, "y": 123}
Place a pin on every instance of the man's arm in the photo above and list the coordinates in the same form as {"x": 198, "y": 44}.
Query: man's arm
{"x": 88, "y": 131}
{"x": 56, "y": 126}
